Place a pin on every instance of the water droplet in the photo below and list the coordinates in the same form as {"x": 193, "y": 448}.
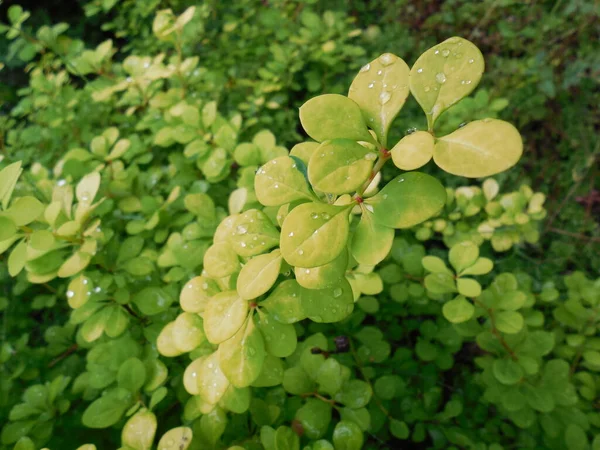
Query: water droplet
{"x": 291, "y": 234}
{"x": 365, "y": 68}
{"x": 426, "y": 88}
{"x": 241, "y": 229}
{"x": 371, "y": 156}
{"x": 251, "y": 351}
{"x": 420, "y": 70}
{"x": 386, "y": 59}
{"x": 440, "y": 77}
{"x": 445, "y": 53}
{"x": 97, "y": 289}
{"x": 70, "y": 294}
{"x": 385, "y": 196}
{"x": 369, "y": 208}
{"x": 437, "y": 52}
{"x": 276, "y": 186}
{"x": 371, "y": 84}
{"x": 301, "y": 252}
{"x": 307, "y": 271}
{"x": 400, "y": 180}
{"x": 465, "y": 82}
{"x": 471, "y": 61}
{"x": 62, "y": 182}
{"x": 243, "y": 244}
{"x": 379, "y": 72}
{"x": 411, "y": 130}
{"x": 337, "y": 292}
{"x": 85, "y": 196}
{"x": 325, "y": 216}
{"x": 317, "y": 319}
{"x": 146, "y": 64}
{"x": 462, "y": 124}
{"x": 314, "y": 215}
{"x": 384, "y": 97}
{"x": 204, "y": 286}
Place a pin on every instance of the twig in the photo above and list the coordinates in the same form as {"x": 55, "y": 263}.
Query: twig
{"x": 72, "y": 349}
{"x": 575, "y": 235}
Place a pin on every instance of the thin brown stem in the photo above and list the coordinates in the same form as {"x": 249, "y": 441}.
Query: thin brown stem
{"x": 495, "y": 330}
{"x": 72, "y": 349}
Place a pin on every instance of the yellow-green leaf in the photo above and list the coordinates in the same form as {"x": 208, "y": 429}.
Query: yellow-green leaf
{"x": 479, "y": 149}
{"x": 371, "y": 242}
{"x": 224, "y": 315}
{"x": 413, "y": 151}
{"x": 259, "y": 275}
{"x": 241, "y": 357}
{"x": 279, "y": 181}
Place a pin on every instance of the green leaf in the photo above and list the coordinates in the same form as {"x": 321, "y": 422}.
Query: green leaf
{"x": 435, "y": 265}
{"x": 468, "y": 287}
{"x": 399, "y": 429}
{"x": 212, "y": 382}
{"x": 132, "y": 375}
{"x": 314, "y": 416}
{"x": 17, "y": 258}
{"x": 511, "y": 301}
{"x": 324, "y": 276}
{"x": 25, "y": 210}
{"x": 413, "y": 151}
{"x": 440, "y": 283}
{"x": 463, "y": 255}
{"x": 285, "y": 302}
{"x": 380, "y": 90}
{"x": 253, "y": 233}
{"x": 539, "y": 398}
{"x": 445, "y": 74}
{"x": 271, "y": 373}
{"x": 480, "y": 267}
{"x": 314, "y": 234}
{"x": 280, "y": 339}
{"x": 241, "y": 357}
{"x": 279, "y": 181}
{"x": 347, "y": 436}
{"x": 152, "y": 300}
{"x": 355, "y": 394}
{"x": 224, "y": 315}
{"x": 286, "y": 439}
{"x": 7, "y": 228}
{"x": 407, "y": 200}
{"x": 138, "y": 432}
{"x": 479, "y": 149}
{"x": 333, "y": 116}
{"x": 8, "y": 180}
{"x": 188, "y": 332}
{"x": 259, "y": 275}
{"x": 507, "y": 371}
{"x": 296, "y": 381}
{"x": 328, "y": 305}
{"x": 458, "y": 310}
{"x": 220, "y": 260}
{"x": 340, "y": 166}
{"x": 576, "y": 438}
{"x": 304, "y": 151}
{"x": 236, "y": 400}
{"x": 371, "y": 242}
{"x": 107, "y": 410}
{"x": 329, "y": 378}
{"x": 178, "y": 438}
{"x": 509, "y": 322}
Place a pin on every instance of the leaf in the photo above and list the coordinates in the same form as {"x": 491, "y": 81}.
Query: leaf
{"x": 25, "y": 210}
{"x": 440, "y": 283}
{"x": 304, "y": 151}
{"x": 280, "y": 339}
{"x": 220, "y": 260}
{"x": 333, "y": 116}
{"x": 7, "y": 228}
{"x": 445, "y": 74}
{"x": 17, "y": 258}
{"x": 132, "y": 375}
{"x": 252, "y": 233}
{"x": 87, "y": 188}
{"x": 212, "y": 382}
{"x": 380, "y": 90}
{"x": 480, "y": 267}
{"x": 509, "y": 322}
{"x": 107, "y": 410}
{"x": 340, "y": 166}
{"x": 314, "y": 416}
{"x": 271, "y": 373}
{"x": 224, "y": 315}
{"x": 371, "y": 242}
{"x": 324, "y": 276}
{"x": 355, "y": 394}
{"x": 539, "y": 398}
{"x": 279, "y": 181}
{"x": 479, "y": 149}
{"x": 328, "y": 305}
{"x": 178, "y": 438}
{"x": 576, "y": 438}
{"x": 413, "y": 151}
{"x": 152, "y": 300}
{"x": 241, "y": 357}
{"x": 285, "y": 302}
{"x": 138, "y": 432}
{"x": 196, "y": 293}
{"x": 188, "y": 332}
{"x": 347, "y": 436}
{"x": 463, "y": 255}
{"x": 286, "y": 439}
{"x": 468, "y": 287}
{"x": 259, "y": 275}
{"x": 314, "y": 234}
{"x": 507, "y": 371}
{"x": 435, "y": 265}
{"x": 458, "y": 310}
{"x": 407, "y": 200}
{"x": 8, "y": 180}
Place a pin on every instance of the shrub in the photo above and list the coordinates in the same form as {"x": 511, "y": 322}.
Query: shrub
{"x": 174, "y": 275}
